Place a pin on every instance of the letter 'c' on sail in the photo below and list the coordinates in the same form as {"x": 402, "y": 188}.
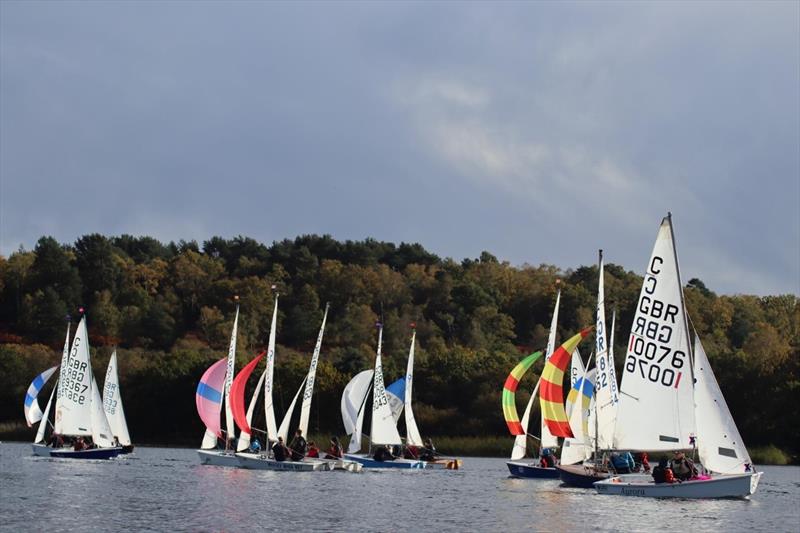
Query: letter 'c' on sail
{"x": 510, "y": 390}
{"x": 551, "y": 394}
{"x": 209, "y": 395}
{"x": 237, "y": 393}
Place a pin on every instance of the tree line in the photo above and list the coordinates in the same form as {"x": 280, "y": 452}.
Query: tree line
{"x": 169, "y": 308}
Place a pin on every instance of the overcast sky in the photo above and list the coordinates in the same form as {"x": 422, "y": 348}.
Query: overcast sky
{"x": 537, "y": 131}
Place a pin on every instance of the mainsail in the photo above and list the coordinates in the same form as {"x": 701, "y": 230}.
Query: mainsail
{"x": 112, "y": 403}
{"x": 656, "y": 411}
{"x": 283, "y": 430}
{"x": 61, "y": 391}
{"x": 384, "y": 430}
{"x": 413, "y": 438}
{"x": 305, "y": 409}
{"x": 607, "y": 394}
{"x": 718, "y": 440}
{"x": 551, "y": 394}
{"x": 269, "y": 407}
{"x": 229, "y": 375}
{"x": 33, "y": 413}
{"x": 74, "y": 412}
{"x": 101, "y": 429}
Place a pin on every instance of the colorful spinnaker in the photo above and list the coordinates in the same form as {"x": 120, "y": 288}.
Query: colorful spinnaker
{"x": 510, "y": 390}
{"x": 551, "y": 393}
{"x": 33, "y": 413}
{"x": 237, "y": 394}
{"x": 209, "y": 396}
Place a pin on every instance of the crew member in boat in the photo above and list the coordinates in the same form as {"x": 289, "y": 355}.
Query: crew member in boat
{"x": 663, "y": 473}
{"x": 411, "y": 452}
{"x": 644, "y": 464}
{"x": 335, "y": 451}
{"x": 548, "y": 459}
{"x": 279, "y": 450}
{"x": 428, "y": 451}
{"x": 255, "y": 446}
{"x": 299, "y": 446}
{"x": 683, "y": 467}
{"x": 382, "y": 453}
{"x": 623, "y": 462}
{"x": 313, "y": 451}
{"x": 80, "y": 444}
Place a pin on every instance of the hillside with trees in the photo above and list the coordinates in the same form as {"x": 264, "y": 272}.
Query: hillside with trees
{"x": 168, "y": 308}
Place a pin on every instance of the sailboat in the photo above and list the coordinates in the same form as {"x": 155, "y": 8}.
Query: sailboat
{"x": 112, "y": 405}
{"x": 262, "y": 460}
{"x": 413, "y": 437}
{"x": 79, "y": 407}
{"x": 604, "y": 414}
{"x": 214, "y": 387}
{"x": 580, "y": 401}
{"x": 516, "y": 466}
{"x": 383, "y": 431}
{"x": 670, "y": 399}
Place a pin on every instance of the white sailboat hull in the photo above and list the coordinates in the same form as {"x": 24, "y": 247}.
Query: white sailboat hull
{"x": 718, "y": 486}
{"x": 257, "y": 461}
{"x": 343, "y": 464}
{"x": 218, "y": 458}
{"x": 368, "y": 462}
{"x": 41, "y": 450}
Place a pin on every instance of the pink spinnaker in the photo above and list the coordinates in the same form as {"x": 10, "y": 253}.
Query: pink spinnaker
{"x": 209, "y": 396}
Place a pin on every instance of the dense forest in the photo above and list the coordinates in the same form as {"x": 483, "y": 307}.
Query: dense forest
{"x": 168, "y": 309}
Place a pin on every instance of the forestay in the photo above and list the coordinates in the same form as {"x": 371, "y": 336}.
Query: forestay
{"x": 718, "y": 439}
{"x": 112, "y": 403}
{"x": 656, "y": 410}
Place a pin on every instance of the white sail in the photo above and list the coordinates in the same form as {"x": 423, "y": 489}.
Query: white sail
{"x": 607, "y": 394}
{"x": 384, "y": 430}
{"x": 576, "y": 372}
{"x": 547, "y": 438}
{"x": 229, "y": 377}
{"x": 61, "y": 391}
{"x": 413, "y": 437}
{"x": 355, "y": 439}
{"x": 579, "y": 448}
{"x": 305, "y": 410}
{"x": 656, "y": 411}
{"x": 44, "y": 421}
{"x": 74, "y": 414}
{"x": 101, "y": 430}
{"x": 269, "y": 407}
{"x": 243, "y": 442}
{"x": 718, "y": 440}
{"x": 112, "y": 403}
{"x": 283, "y": 430}
{"x": 521, "y": 441}
{"x": 353, "y": 398}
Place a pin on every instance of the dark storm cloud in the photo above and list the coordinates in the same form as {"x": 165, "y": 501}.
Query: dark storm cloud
{"x": 537, "y": 131}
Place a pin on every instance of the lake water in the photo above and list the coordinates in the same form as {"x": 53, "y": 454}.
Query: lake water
{"x": 159, "y": 489}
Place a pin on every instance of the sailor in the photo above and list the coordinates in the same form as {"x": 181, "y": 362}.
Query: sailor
{"x": 299, "y": 446}
{"x": 255, "y": 446}
{"x": 313, "y": 451}
{"x": 663, "y": 473}
{"x": 428, "y": 451}
{"x": 279, "y": 450}
{"x": 683, "y": 467}
{"x": 335, "y": 451}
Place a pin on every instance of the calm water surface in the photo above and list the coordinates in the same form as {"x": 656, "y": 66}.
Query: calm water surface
{"x": 158, "y": 489}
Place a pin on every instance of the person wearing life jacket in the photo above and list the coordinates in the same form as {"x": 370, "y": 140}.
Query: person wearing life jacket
{"x": 279, "y": 450}
{"x": 382, "y": 453}
{"x": 683, "y": 467}
{"x": 428, "y": 452}
{"x": 335, "y": 451}
{"x": 313, "y": 451}
{"x": 299, "y": 446}
{"x": 547, "y": 460}
{"x": 622, "y": 462}
{"x": 663, "y": 473}
{"x": 255, "y": 446}
{"x": 644, "y": 463}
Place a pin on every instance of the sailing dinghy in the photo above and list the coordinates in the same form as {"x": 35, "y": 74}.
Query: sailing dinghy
{"x": 112, "y": 405}
{"x": 79, "y": 408}
{"x": 383, "y": 431}
{"x": 214, "y": 387}
{"x": 516, "y": 466}
{"x": 670, "y": 397}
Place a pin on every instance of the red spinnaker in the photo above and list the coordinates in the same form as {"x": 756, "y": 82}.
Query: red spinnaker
{"x": 237, "y": 393}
